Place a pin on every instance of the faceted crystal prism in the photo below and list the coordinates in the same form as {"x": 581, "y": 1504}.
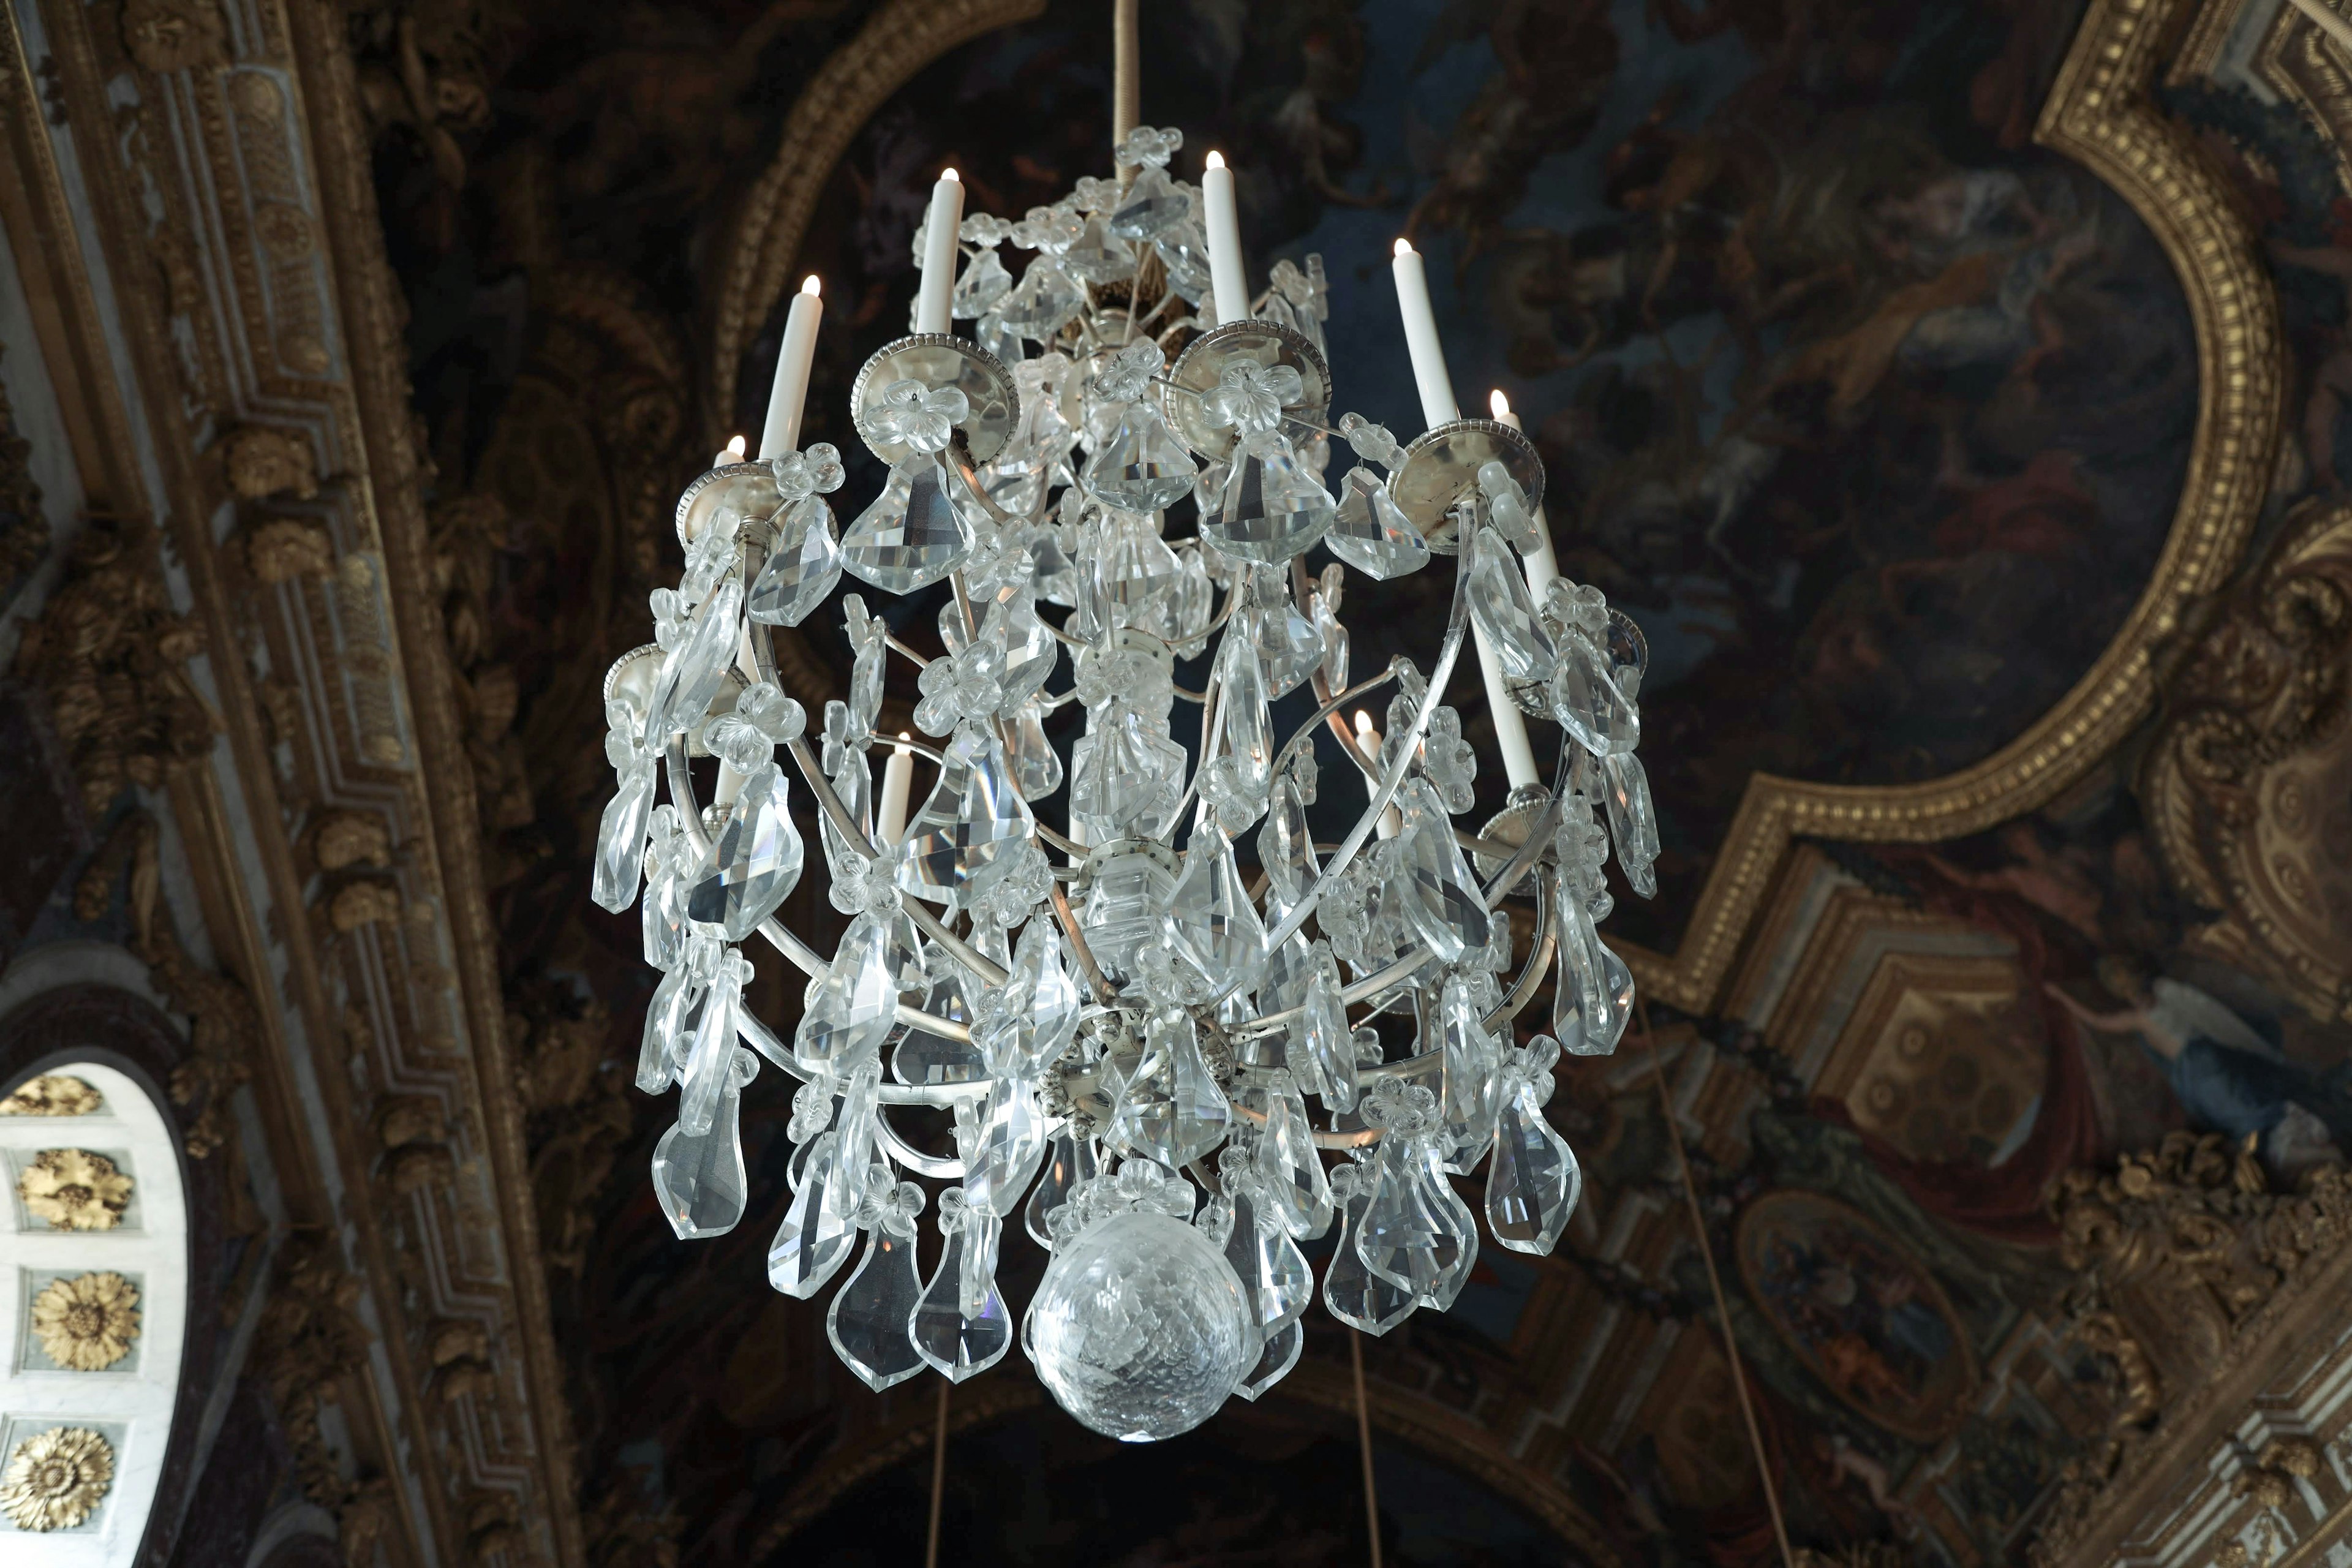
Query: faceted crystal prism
{"x": 960, "y": 1343}
{"x": 1370, "y": 532}
{"x": 621, "y": 836}
{"x": 1632, "y": 819}
{"x": 1152, "y": 205}
{"x": 1286, "y": 1162}
{"x": 1036, "y": 766}
{"x": 710, "y": 1059}
{"x": 1260, "y": 1253}
{"x": 802, "y": 568}
{"x": 1123, "y": 911}
{"x": 867, "y": 1320}
{"x": 1326, "y": 1047}
{"x": 1289, "y": 648}
{"x": 1069, "y": 1159}
{"x": 1285, "y": 849}
{"x": 1274, "y": 1365}
{"x": 1351, "y": 1293}
{"x": 1210, "y": 922}
{"x": 1140, "y": 466}
{"x": 1141, "y": 1329}
{"x": 1472, "y": 1061}
{"x": 666, "y": 1018}
{"x": 1588, "y": 703}
{"x": 699, "y": 1182}
{"x": 1000, "y": 1143}
{"x": 1434, "y": 888}
{"x": 1171, "y": 1111}
{"x": 961, "y": 843}
{"x": 852, "y": 1005}
{"x": 1532, "y": 1181}
{"x": 917, "y": 531}
{"x": 754, "y": 862}
{"x": 1038, "y": 1011}
{"x": 1499, "y": 603}
{"x": 1126, "y": 777}
{"x": 1271, "y": 508}
{"x": 819, "y": 1231}
{"x": 923, "y": 1057}
{"x": 1594, "y": 978}
{"x": 1043, "y": 302}
{"x": 695, "y": 669}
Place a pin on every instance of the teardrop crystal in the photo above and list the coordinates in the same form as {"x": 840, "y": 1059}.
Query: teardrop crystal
{"x": 961, "y": 843}
{"x": 1351, "y": 1293}
{"x": 917, "y": 531}
{"x": 1140, "y": 466}
{"x": 1210, "y": 922}
{"x": 802, "y": 568}
{"x": 693, "y": 671}
{"x": 754, "y": 862}
{"x": 621, "y": 836}
{"x": 1499, "y": 603}
{"x": 1369, "y": 532}
{"x": 957, "y": 1342}
{"x": 1171, "y": 1111}
{"x": 1271, "y": 508}
{"x": 1435, "y": 890}
{"x": 1532, "y": 1180}
{"x": 700, "y": 1181}
{"x": 851, "y": 1006}
{"x": 816, "y": 1237}
{"x": 867, "y": 1320}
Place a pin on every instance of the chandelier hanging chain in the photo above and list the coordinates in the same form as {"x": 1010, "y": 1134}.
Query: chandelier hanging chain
{"x": 1126, "y": 1031}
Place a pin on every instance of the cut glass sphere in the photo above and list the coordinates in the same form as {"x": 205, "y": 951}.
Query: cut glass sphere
{"x": 1141, "y": 1329}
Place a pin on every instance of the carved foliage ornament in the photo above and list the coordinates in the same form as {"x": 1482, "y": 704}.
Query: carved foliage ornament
{"x": 52, "y": 1094}
{"x": 88, "y": 1323}
{"x": 56, "y": 1478}
{"x": 74, "y": 1189}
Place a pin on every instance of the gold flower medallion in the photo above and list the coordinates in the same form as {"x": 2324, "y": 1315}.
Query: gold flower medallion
{"x": 52, "y": 1095}
{"x": 88, "y": 1323}
{"x": 54, "y": 1478}
{"x": 74, "y": 1189}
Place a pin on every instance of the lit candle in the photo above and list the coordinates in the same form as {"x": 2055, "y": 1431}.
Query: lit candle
{"x": 731, "y": 453}
{"x": 931, "y": 312}
{"x": 897, "y": 774}
{"x": 1437, "y": 405}
{"x": 789, "y": 395}
{"x": 1229, "y": 284}
{"x": 1368, "y": 742}
{"x": 1543, "y": 565}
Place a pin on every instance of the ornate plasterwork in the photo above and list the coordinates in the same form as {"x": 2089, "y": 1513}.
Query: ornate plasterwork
{"x": 74, "y": 1189}
{"x": 2101, "y": 114}
{"x": 57, "y": 1478}
{"x": 88, "y": 1323}
{"x": 51, "y": 1095}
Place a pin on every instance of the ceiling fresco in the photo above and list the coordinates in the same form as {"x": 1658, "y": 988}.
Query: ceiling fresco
{"x": 1876, "y": 411}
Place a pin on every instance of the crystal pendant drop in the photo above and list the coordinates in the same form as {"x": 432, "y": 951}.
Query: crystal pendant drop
{"x": 1497, "y": 591}
{"x": 1289, "y": 648}
{"x": 1211, "y": 922}
{"x": 1595, "y": 978}
{"x": 1532, "y": 1180}
{"x": 867, "y": 1320}
{"x": 1171, "y": 1111}
{"x": 1069, "y": 1159}
{"x": 695, "y": 669}
{"x": 1588, "y": 703}
{"x": 1417, "y": 1234}
{"x": 1286, "y": 1162}
{"x": 710, "y": 1059}
{"x": 1038, "y": 1015}
{"x": 1369, "y": 532}
{"x": 1351, "y": 1293}
{"x": 1127, "y": 777}
{"x": 1471, "y": 1061}
{"x": 1036, "y": 766}
{"x": 754, "y": 862}
{"x": 1326, "y": 1045}
{"x": 1140, "y": 466}
{"x": 961, "y": 843}
{"x": 1271, "y": 508}
{"x": 1153, "y": 205}
{"x": 1000, "y": 1140}
{"x": 1043, "y": 302}
{"x": 1030, "y": 651}
{"x": 984, "y": 284}
{"x": 817, "y": 1236}
{"x": 1273, "y": 1271}
{"x": 957, "y": 1342}
{"x": 1632, "y": 819}
{"x": 1235, "y": 779}
{"x": 699, "y": 1182}
{"x": 1274, "y": 1365}
{"x": 1285, "y": 849}
{"x": 852, "y": 1005}
{"x": 1435, "y": 890}
{"x": 621, "y": 836}
{"x": 800, "y": 570}
{"x": 1134, "y": 565}
{"x": 1123, "y": 911}
{"x": 917, "y": 531}
{"x": 923, "y": 1057}
{"x": 666, "y": 1018}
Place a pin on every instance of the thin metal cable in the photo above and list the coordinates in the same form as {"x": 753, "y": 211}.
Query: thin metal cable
{"x": 1715, "y": 1283}
{"x": 939, "y": 1477}
{"x": 1364, "y": 1442}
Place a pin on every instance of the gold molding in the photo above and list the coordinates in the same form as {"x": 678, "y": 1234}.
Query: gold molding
{"x": 2100, "y": 114}
{"x": 900, "y": 40}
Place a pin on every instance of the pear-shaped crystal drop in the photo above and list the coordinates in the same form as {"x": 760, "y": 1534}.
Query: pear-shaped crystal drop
{"x": 1326, "y": 1045}
{"x": 867, "y": 1320}
{"x": 1153, "y": 205}
{"x": 1140, "y": 466}
{"x": 1417, "y": 1235}
{"x": 983, "y": 285}
{"x": 754, "y": 862}
{"x": 961, "y": 843}
{"x": 1264, "y": 1257}
{"x": 1285, "y": 849}
{"x": 802, "y": 568}
{"x": 1274, "y": 1365}
{"x": 1595, "y": 978}
{"x": 666, "y": 1018}
{"x": 1632, "y": 819}
{"x": 1370, "y": 532}
{"x": 917, "y": 531}
{"x": 1127, "y": 777}
{"x": 1471, "y": 1061}
{"x": 1289, "y": 648}
{"x": 662, "y": 913}
{"x": 1532, "y": 1181}
{"x": 1435, "y": 890}
{"x": 1070, "y": 1158}
{"x": 1242, "y": 767}
{"x": 709, "y": 1062}
{"x": 1043, "y": 302}
{"x": 1271, "y": 509}
{"x": 1039, "y": 1012}
{"x": 1171, "y": 1111}
{"x": 1588, "y": 703}
{"x": 1499, "y": 603}
{"x": 816, "y": 1237}
{"x": 693, "y": 671}
{"x": 1134, "y": 565}
{"x": 1286, "y": 1161}
{"x": 1351, "y": 1293}
{"x": 1030, "y": 651}
{"x": 1036, "y": 766}
{"x": 956, "y": 1342}
{"x": 923, "y": 1057}
{"x": 700, "y": 1181}
{"x": 621, "y": 836}
{"x": 852, "y": 1005}
{"x": 1000, "y": 1142}
{"x": 1210, "y": 921}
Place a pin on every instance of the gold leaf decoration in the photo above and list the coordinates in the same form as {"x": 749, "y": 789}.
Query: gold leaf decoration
{"x": 53, "y": 1094}
{"x": 56, "y": 1478}
{"x": 74, "y": 1189}
{"x": 88, "y": 1323}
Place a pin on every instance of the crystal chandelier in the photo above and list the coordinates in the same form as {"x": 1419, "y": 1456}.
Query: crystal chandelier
{"x": 1127, "y": 1034}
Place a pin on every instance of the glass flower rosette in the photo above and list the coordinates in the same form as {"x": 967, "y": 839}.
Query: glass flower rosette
{"x": 1145, "y": 1057}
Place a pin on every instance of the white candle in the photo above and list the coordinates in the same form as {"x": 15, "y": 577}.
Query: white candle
{"x": 1368, "y": 742}
{"x": 789, "y": 394}
{"x": 897, "y": 775}
{"x": 731, "y": 453}
{"x": 1543, "y": 565}
{"x": 1437, "y": 405}
{"x": 1127, "y": 71}
{"x": 931, "y": 312}
{"x": 1229, "y": 283}
{"x": 1510, "y": 725}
